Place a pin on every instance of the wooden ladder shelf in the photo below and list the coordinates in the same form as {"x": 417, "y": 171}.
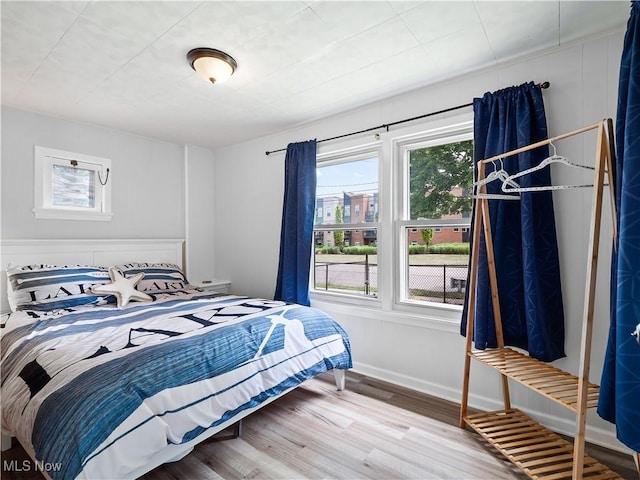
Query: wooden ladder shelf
{"x": 539, "y": 452}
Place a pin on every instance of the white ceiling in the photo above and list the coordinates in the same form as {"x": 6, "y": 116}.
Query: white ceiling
{"x": 122, "y": 64}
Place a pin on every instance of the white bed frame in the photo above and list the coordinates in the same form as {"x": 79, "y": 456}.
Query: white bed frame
{"x": 106, "y": 253}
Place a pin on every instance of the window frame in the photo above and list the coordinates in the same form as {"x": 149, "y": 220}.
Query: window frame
{"x": 336, "y": 157}
{"x": 402, "y": 223}
{"x": 438, "y": 316}
{"x": 44, "y": 161}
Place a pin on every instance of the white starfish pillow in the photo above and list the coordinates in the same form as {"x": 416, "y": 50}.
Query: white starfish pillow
{"x": 123, "y": 288}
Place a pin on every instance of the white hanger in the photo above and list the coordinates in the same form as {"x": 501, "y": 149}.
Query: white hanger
{"x": 636, "y": 333}
{"x": 496, "y": 174}
{"x": 555, "y": 158}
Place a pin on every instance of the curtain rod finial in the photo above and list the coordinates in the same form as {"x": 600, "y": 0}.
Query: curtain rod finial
{"x": 545, "y": 85}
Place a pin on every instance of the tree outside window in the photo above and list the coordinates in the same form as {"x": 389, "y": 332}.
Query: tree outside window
{"x": 439, "y": 176}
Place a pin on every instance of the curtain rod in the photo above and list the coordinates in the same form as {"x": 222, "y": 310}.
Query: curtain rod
{"x": 543, "y": 85}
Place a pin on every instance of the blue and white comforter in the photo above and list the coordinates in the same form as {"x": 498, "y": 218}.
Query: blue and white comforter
{"x": 98, "y": 390}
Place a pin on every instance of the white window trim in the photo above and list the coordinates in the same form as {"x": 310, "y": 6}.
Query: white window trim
{"x": 400, "y": 148}
{"x": 437, "y": 316}
{"x": 44, "y": 159}
{"x": 334, "y": 157}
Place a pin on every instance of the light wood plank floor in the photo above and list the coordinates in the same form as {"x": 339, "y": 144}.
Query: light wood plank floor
{"x": 372, "y": 430}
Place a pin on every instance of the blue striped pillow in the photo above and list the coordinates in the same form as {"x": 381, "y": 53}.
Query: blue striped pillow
{"x": 50, "y": 287}
{"x": 158, "y": 277}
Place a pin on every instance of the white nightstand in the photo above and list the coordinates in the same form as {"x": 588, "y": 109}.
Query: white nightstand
{"x": 214, "y": 285}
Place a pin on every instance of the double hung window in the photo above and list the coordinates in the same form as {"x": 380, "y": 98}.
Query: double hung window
{"x": 346, "y": 237}
{"x": 421, "y": 240}
{"x": 434, "y": 211}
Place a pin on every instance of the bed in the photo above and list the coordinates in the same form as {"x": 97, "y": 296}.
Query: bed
{"x": 94, "y": 389}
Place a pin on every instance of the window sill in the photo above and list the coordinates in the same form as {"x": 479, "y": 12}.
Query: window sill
{"x": 54, "y": 214}
{"x": 344, "y": 298}
{"x": 442, "y": 317}
{"x": 445, "y": 309}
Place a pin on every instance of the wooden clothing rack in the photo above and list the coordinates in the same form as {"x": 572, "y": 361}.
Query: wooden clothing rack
{"x": 539, "y": 452}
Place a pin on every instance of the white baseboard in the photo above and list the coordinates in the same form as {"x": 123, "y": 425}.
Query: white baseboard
{"x": 595, "y": 435}
{"x": 409, "y": 382}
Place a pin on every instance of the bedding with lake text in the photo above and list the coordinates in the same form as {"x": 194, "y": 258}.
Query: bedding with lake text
{"x": 97, "y": 390}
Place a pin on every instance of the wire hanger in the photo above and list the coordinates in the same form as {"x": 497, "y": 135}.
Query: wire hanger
{"x": 555, "y": 158}
{"x": 496, "y": 174}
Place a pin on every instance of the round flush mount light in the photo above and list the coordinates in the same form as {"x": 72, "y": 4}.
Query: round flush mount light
{"x": 211, "y": 64}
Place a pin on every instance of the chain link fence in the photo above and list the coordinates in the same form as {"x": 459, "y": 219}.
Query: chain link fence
{"x": 429, "y": 283}
{"x": 438, "y": 283}
{"x": 348, "y": 277}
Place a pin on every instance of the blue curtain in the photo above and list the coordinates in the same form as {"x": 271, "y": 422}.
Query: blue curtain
{"x": 619, "y": 400}
{"x": 524, "y": 234}
{"x": 296, "y": 235}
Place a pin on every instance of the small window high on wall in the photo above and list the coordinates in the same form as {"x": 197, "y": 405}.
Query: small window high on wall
{"x": 71, "y": 186}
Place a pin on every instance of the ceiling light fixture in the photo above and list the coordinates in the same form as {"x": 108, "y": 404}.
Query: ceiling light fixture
{"x": 211, "y": 64}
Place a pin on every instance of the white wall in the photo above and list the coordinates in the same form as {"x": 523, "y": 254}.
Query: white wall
{"x": 426, "y": 352}
{"x": 148, "y": 179}
{"x": 200, "y": 213}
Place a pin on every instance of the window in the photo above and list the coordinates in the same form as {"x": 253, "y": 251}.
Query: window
{"x": 400, "y": 210}
{"x": 71, "y": 186}
{"x": 346, "y": 256}
{"x": 434, "y": 204}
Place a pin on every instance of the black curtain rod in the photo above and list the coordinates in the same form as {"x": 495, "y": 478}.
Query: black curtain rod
{"x": 543, "y": 85}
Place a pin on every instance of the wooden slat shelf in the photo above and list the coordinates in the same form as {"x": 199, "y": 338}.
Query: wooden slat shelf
{"x": 553, "y": 383}
{"x": 539, "y": 452}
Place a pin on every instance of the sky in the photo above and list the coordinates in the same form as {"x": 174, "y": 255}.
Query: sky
{"x": 356, "y": 177}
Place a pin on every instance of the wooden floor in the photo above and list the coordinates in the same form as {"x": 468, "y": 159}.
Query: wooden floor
{"x": 371, "y": 430}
